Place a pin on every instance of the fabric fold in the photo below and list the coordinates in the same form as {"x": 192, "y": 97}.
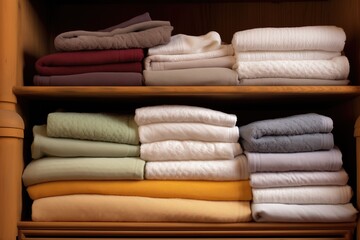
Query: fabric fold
{"x": 285, "y": 55}
{"x": 292, "y": 82}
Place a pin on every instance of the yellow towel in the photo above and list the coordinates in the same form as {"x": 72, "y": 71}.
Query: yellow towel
{"x": 201, "y": 190}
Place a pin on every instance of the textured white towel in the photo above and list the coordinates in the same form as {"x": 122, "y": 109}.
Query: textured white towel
{"x": 187, "y": 131}
{"x": 285, "y": 55}
{"x": 182, "y": 44}
{"x": 224, "y": 170}
{"x": 291, "y": 82}
{"x": 183, "y": 113}
{"x": 327, "y": 38}
{"x": 303, "y": 195}
{"x": 188, "y": 150}
{"x": 289, "y": 179}
{"x": 268, "y": 212}
{"x": 336, "y": 68}
{"x": 303, "y": 161}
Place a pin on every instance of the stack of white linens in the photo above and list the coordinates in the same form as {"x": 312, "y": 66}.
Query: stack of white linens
{"x": 309, "y": 55}
{"x": 296, "y": 172}
{"x": 191, "y": 60}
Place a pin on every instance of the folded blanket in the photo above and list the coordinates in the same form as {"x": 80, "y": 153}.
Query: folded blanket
{"x": 183, "y": 113}
{"x": 285, "y": 55}
{"x": 184, "y": 44}
{"x": 55, "y": 169}
{"x": 298, "y": 133}
{"x": 93, "y": 126}
{"x": 268, "y": 212}
{"x": 336, "y": 68}
{"x": 225, "y": 170}
{"x": 292, "y": 179}
{"x": 330, "y": 160}
{"x": 326, "y": 38}
{"x": 91, "y": 79}
{"x": 66, "y": 63}
{"x": 137, "y": 19}
{"x": 86, "y": 208}
{"x": 216, "y": 76}
{"x": 171, "y": 150}
{"x": 139, "y": 35}
{"x": 292, "y": 82}
{"x": 202, "y": 190}
{"x": 303, "y": 195}
{"x": 67, "y": 147}
{"x": 156, "y": 132}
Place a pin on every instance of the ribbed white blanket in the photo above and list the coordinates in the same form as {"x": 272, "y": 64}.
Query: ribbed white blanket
{"x": 224, "y": 170}
{"x": 284, "y": 55}
{"x": 327, "y": 38}
{"x": 156, "y": 132}
{"x": 303, "y": 195}
{"x": 268, "y": 212}
{"x": 183, "y": 113}
{"x": 291, "y": 82}
{"x": 183, "y": 44}
{"x": 188, "y": 150}
{"x": 336, "y": 68}
{"x": 303, "y": 161}
{"x": 292, "y": 179}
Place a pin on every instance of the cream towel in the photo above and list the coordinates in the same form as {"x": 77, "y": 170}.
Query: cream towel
{"x": 183, "y": 113}
{"x": 188, "y": 150}
{"x": 183, "y": 44}
{"x": 187, "y": 131}
{"x": 303, "y": 195}
{"x": 326, "y": 38}
{"x": 285, "y": 55}
{"x": 289, "y": 179}
{"x": 224, "y": 170}
{"x": 302, "y": 161}
{"x": 99, "y": 208}
{"x": 336, "y": 68}
{"x": 292, "y": 82}
{"x": 268, "y": 212}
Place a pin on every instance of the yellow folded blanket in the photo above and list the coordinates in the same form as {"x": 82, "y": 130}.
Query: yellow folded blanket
{"x": 201, "y": 190}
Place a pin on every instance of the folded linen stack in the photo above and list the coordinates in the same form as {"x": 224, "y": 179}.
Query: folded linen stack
{"x": 112, "y": 56}
{"x": 191, "y": 60}
{"x": 309, "y": 55}
{"x": 296, "y": 172}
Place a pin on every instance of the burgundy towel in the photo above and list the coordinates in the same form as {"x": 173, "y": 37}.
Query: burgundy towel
{"x": 66, "y": 63}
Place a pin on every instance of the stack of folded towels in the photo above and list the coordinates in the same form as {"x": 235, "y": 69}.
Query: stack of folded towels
{"x": 112, "y": 56}
{"x": 193, "y": 155}
{"x": 309, "y": 55}
{"x": 191, "y": 60}
{"x": 296, "y": 172}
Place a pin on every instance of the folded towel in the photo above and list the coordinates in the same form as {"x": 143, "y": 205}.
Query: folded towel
{"x": 336, "y": 68}
{"x": 291, "y": 82}
{"x": 184, "y": 44}
{"x": 139, "y": 35}
{"x": 192, "y": 77}
{"x": 292, "y": 179}
{"x": 225, "y": 170}
{"x": 202, "y": 190}
{"x": 156, "y": 132}
{"x": 326, "y": 38}
{"x": 183, "y": 113}
{"x": 285, "y": 55}
{"x": 93, "y": 126}
{"x": 56, "y": 169}
{"x": 87, "y": 208}
{"x": 137, "y": 19}
{"x": 330, "y": 160}
{"x": 67, "y": 147}
{"x": 171, "y": 150}
{"x": 298, "y": 133}
{"x": 303, "y": 195}
{"x": 268, "y": 212}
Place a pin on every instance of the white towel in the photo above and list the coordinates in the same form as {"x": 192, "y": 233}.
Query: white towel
{"x": 183, "y": 113}
{"x": 330, "y": 160}
{"x": 291, "y": 82}
{"x": 268, "y": 212}
{"x": 326, "y": 38}
{"x": 292, "y": 179}
{"x": 336, "y": 68}
{"x": 303, "y": 195}
{"x": 187, "y": 131}
{"x": 182, "y": 44}
{"x": 284, "y": 55}
{"x": 188, "y": 150}
{"x": 224, "y": 170}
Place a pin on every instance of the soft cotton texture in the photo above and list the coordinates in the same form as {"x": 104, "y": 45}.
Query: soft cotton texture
{"x": 285, "y": 55}
{"x": 291, "y": 82}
